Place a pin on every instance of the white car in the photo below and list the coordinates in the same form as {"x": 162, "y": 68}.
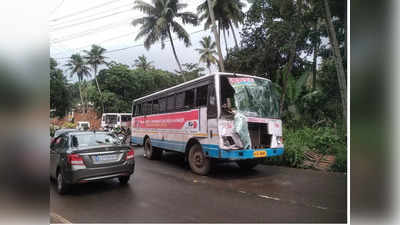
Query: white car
{"x": 83, "y": 125}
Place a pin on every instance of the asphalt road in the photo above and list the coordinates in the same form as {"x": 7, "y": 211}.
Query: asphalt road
{"x": 167, "y": 192}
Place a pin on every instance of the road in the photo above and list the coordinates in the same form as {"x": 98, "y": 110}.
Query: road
{"x": 167, "y": 192}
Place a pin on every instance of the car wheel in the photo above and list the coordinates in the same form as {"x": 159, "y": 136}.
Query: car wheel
{"x": 247, "y": 164}
{"x": 62, "y": 187}
{"x": 198, "y": 162}
{"x": 124, "y": 180}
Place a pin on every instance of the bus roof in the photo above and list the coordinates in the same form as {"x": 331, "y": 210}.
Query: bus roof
{"x": 116, "y": 113}
{"x": 195, "y": 80}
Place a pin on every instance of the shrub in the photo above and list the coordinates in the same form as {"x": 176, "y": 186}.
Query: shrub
{"x": 323, "y": 140}
{"x": 340, "y": 164}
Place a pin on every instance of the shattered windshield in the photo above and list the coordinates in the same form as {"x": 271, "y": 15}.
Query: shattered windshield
{"x": 252, "y": 97}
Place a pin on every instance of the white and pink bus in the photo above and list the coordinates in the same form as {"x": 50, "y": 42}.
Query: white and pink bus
{"x": 221, "y": 116}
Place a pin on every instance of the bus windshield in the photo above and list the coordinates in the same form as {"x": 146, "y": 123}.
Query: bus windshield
{"x": 251, "y": 96}
{"x": 111, "y": 119}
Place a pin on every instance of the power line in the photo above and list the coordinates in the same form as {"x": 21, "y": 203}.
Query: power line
{"x": 55, "y": 9}
{"x": 129, "y": 47}
{"x": 85, "y": 10}
{"x": 91, "y": 15}
{"x": 91, "y": 31}
{"x": 90, "y": 20}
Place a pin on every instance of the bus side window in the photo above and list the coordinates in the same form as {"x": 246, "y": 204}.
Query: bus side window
{"x": 133, "y": 110}
{"x": 212, "y": 111}
{"x": 147, "y": 108}
{"x": 163, "y": 105}
{"x": 171, "y": 103}
{"x": 189, "y": 99}
{"x": 201, "y": 96}
{"x": 180, "y": 100}
{"x": 156, "y": 107}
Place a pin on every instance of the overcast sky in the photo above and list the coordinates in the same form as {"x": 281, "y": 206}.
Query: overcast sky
{"x": 74, "y": 25}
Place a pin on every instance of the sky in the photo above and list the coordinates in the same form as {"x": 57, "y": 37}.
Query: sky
{"x": 74, "y": 25}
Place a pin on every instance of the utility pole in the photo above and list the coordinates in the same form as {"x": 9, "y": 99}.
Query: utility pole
{"x": 214, "y": 29}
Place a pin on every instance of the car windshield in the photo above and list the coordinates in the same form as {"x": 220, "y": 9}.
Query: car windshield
{"x": 94, "y": 139}
{"x": 252, "y": 97}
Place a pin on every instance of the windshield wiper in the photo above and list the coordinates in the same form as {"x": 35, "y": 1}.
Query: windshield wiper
{"x": 100, "y": 142}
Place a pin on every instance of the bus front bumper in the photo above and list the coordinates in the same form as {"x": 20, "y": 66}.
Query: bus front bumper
{"x": 243, "y": 153}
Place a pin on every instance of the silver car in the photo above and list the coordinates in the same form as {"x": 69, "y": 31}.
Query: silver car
{"x": 80, "y": 157}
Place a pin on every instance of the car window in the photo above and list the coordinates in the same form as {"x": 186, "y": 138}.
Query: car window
{"x": 93, "y": 139}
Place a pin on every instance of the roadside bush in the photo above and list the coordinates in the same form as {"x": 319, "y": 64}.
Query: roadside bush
{"x": 341, "y": 161}
{"x": 324, "y": 140}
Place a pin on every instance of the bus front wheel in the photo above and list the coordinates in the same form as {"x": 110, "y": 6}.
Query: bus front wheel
{"x": 198, "y": 162}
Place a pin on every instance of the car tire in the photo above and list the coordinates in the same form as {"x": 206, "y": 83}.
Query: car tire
{"x": 124, "y": 180}
{"x": 247, "y": 164}
{"x": 62, "y": 187}
{"x": 199, "y": 163}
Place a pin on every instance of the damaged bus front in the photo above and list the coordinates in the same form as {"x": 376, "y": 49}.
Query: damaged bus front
{"x": 249, "y": 125}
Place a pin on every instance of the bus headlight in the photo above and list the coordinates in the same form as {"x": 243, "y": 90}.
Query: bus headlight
{"x": 279, "y": 140}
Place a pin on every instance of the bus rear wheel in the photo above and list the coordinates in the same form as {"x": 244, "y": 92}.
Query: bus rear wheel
{"x": 198, "y": 162}
{"x": 151, "y": 152}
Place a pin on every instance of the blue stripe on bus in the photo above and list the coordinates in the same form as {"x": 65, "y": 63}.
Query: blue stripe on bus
{"x": 211, "y": 150}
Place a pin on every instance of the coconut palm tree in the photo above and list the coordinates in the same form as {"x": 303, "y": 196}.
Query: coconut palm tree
{"x": 160, "y": 22}
{"x": 207, "y": 52}
{"x": 141, "y": 62}
{"x": 95, "y": 57}
{"x": 78, "y": 66}
{"x": 227, "y": 13}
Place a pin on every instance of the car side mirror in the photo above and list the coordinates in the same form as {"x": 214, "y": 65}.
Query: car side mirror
{"x": 75, "y": 142}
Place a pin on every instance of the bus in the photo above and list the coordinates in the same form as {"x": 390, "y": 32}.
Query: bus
{"x": 113, "y": 120}
{"x": 217, "y": 117}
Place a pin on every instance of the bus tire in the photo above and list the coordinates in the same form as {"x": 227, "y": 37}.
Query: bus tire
{"x": 247, "y": 164}
{"x": 198, "y": 162}
{"x": 150, "y": 151}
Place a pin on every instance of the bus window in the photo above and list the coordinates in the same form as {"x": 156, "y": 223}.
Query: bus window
{"x": 138, "y": 110}
{"x": 163, "y": 105}
{"x": 201, "y": 96}
{"x": 171, "y": 103}
{"x": 180, "y": 100}
{"x": 118, "y": 118}
{"x": 147, "y": 108}
{"x": 189, "y": 99}
{"x": 212, "y": 111}
{"x": 156, "y": 107}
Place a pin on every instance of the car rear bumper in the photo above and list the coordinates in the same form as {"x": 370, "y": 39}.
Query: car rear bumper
{"x": 99, "y": 173}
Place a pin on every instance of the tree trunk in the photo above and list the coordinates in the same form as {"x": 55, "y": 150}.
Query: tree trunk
{"x": 338, "y": 60}
{"x": 80, "y": 95}
{"x": 214, "y": 29}
{"x": 234, "y": 35}
{"x": 176, "y": 57}
{"x": 226, "y": 44}
{"x": 292, "y": 56}
{"x": 98, "y": 88}
{"x": 314, "y": 69}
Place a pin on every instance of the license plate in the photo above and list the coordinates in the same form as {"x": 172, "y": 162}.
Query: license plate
{"x": 102, "y": 158}
{"x": 260, "y": 153}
